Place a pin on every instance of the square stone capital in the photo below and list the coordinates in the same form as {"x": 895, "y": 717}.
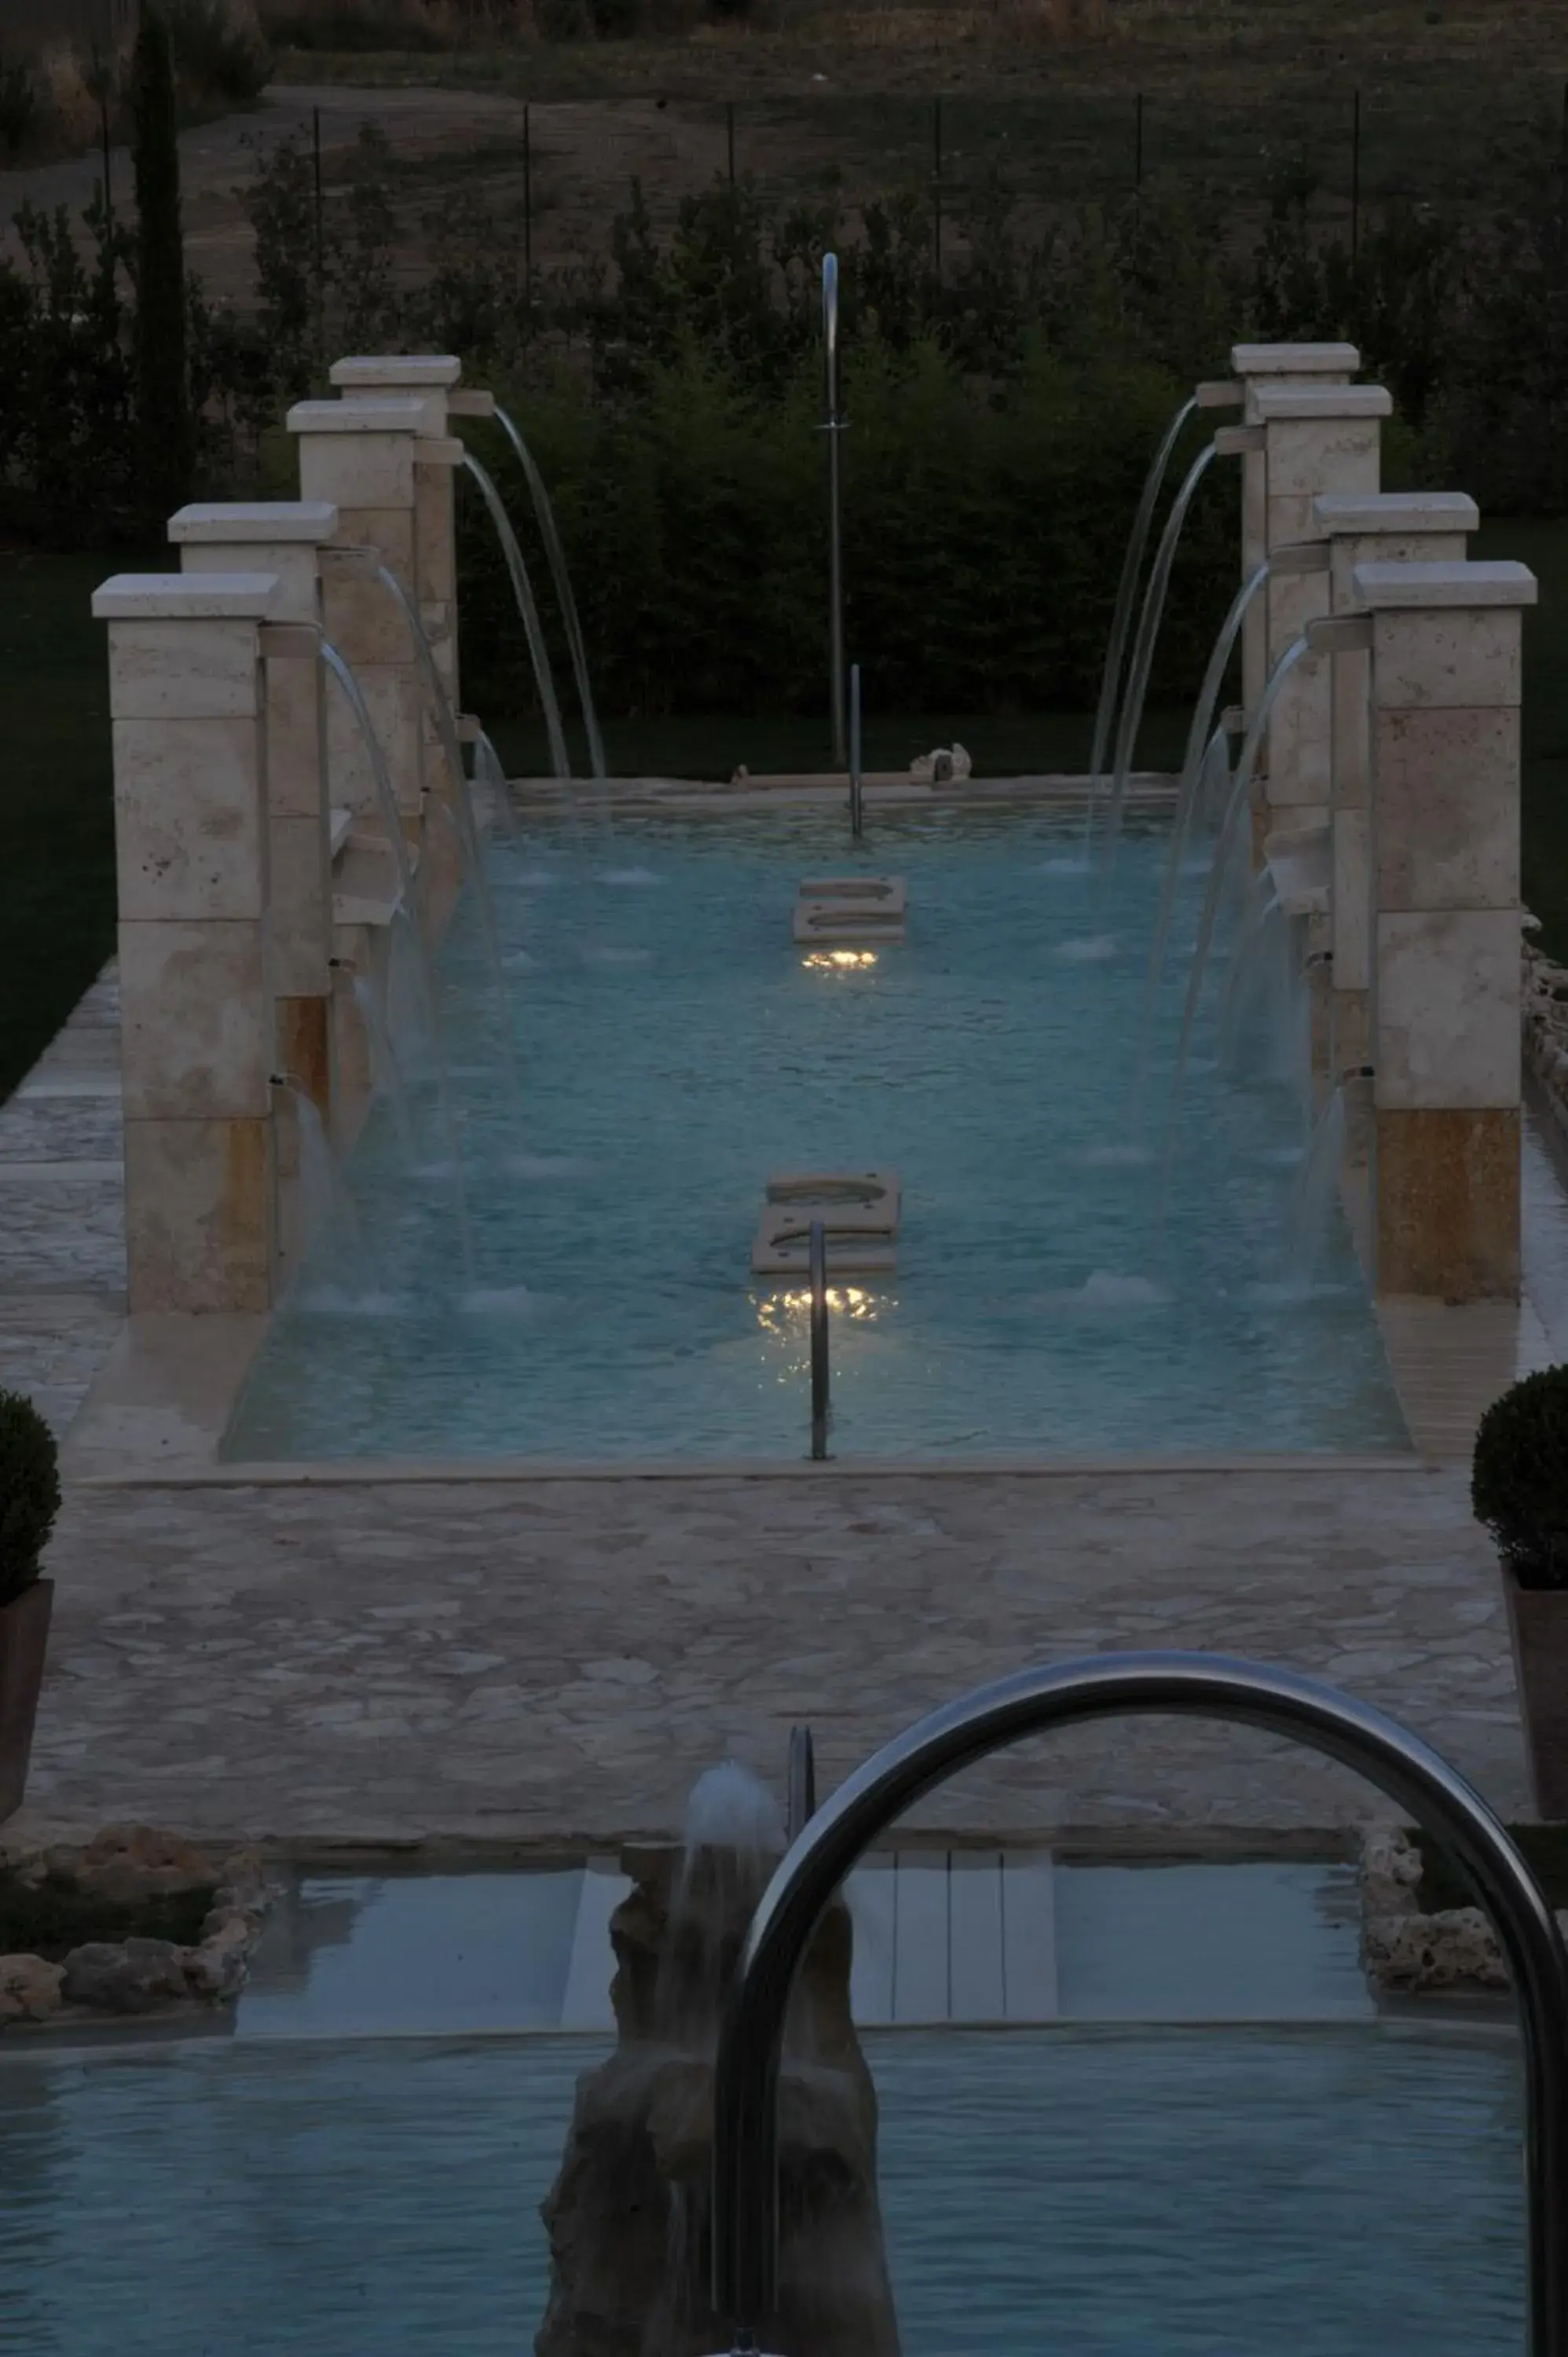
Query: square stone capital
{"x": 1365, "y": 515}
{"x": 391, "y": 371}
{"x": 186, "y": 597}
{"x": 1294, "y": 360}
{"x": 236, "y": 522}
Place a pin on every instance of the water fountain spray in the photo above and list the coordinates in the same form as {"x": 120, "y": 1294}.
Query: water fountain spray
{"x": 544, "y": 515}
{"x": 1126, "y": 591}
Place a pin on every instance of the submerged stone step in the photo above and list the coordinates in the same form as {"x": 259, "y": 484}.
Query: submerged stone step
{"x": 850, "y": 910}
{"x": 832, "y": 1190}
{"x": 857, "y": 1243}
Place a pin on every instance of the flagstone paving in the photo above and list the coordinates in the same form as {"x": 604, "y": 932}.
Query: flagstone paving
{"x": 539, "y": 1661}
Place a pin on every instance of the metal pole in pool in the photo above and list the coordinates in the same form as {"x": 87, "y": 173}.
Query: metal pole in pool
{"x": 834, "y": 428}
{"x": 820, "y": 1372}
{"x": 856, "y": 782}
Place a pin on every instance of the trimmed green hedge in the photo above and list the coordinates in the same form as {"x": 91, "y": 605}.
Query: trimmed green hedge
{"x": 985, "y": 525}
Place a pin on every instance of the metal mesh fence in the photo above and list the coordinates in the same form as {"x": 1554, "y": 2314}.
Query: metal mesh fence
{"x": 104, "y": 26}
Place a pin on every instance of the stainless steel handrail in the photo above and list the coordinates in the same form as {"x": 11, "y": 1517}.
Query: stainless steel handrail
{"x": 833, "y": 426}
{"x": 1202, "y": 1685}
{"x": 821, "y": 1373}
{"x": 803, "y": 1802}
{"x": 856, "y": 786}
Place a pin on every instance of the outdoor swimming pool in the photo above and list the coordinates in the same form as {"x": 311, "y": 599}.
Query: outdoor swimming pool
{"x": 1106, "y": 2192}
{"x": 673, "y": 1048}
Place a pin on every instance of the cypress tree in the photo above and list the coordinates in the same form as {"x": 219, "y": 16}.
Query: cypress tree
{"x": 165, "y": 437}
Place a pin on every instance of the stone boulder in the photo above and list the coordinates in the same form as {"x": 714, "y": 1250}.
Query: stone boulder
{"x": 29, "y": 1988}
{"x": 126, "y": 1862}
{"x": 629, "y": 2215}
{"x": 125, "y": 1976}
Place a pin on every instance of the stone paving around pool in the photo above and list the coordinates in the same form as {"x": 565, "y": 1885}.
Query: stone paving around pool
{"x": 545, "y": 1662}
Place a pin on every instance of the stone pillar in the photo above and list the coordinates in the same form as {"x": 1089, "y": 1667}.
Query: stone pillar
{"x": 188, "y": 705}
{"x": 1316, "y": 439}
{"x": 282, "y": 538}
{"x": 1445, "y": 685}
{"x": 360, "y": 457}
{"x": 1256, "y": 366}
{"x": 430, "y": 378}
{"x": 1391, "y": 528}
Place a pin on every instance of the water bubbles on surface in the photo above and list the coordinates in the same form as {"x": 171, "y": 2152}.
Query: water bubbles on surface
{"x": 1110, "y": 1289}
{"x": 603, "y": 953}
{"x": 1087, "y": 949}
{"x": 497, "y": 1300}
{"x": 629, "y": 880}
{"x": 544, "y": 1166}
{"x": 1106, "y": 1288}
{"x": 1120, "y": 1155}
{"x": 1062, "y": 866}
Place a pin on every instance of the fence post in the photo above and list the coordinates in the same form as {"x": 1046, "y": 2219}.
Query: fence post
{"x": 936, "y": 188}
{"x": 320, "y": 229}
{"x": 1356, "y": 177}
{"x": 527, "y": 210}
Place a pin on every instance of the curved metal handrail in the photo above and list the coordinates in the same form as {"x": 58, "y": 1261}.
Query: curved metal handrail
{"x": 1204, "y": 1685}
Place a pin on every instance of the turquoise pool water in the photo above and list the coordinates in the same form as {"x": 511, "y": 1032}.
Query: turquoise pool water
{"x": 673, "y": 1048}
{"x": 1108, "y": 2192}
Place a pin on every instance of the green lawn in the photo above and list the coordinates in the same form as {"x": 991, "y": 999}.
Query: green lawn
{"x": 57, "y": 844}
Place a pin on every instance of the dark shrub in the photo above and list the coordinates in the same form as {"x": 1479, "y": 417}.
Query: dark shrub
{"x": 18, "y": 102}
{"x": 1519, "y": 1484}
{"x": 216, "y": 52}
{"x": 29, "y": 1492}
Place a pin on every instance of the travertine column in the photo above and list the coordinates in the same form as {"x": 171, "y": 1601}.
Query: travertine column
{"x": 1316, "y": 439}
{"x": 1445, "y": 684}
{"x": 283, "y": 537}
{"x": 1390, "y": 528}
{"x": 1257, "y": 366}
{"x": 430, "y": 378}
{"x": 188, "y": 704}
{"x": 360, "y": 455}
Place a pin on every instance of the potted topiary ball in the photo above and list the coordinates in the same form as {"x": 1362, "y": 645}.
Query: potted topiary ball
{"x": 1520, "y": 1491}
{"x": 29, "y": 1501}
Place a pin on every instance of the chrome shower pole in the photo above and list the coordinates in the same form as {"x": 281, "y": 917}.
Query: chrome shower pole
{"x": 856, "y": 779}
{"x": 833, "y": 427}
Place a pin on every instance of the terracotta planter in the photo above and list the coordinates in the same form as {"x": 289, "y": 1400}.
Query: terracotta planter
{"x": 1537, "y": 1617}
{"x": 24, "y": 1634}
